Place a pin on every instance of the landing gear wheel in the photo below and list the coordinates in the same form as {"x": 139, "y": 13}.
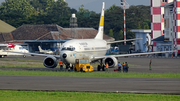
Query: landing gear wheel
{"x": 67, "y": 67}
{"x": 81, "y": 70}
{"x": 98, "y": 68}
{"x": 103, "y": 68}
{"x": 75, "y": 69}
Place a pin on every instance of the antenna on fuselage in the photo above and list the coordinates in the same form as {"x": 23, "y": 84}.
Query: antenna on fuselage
{"x": 101, "y": 24}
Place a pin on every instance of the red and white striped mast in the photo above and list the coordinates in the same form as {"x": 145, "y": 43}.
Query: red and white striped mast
{"x": 124, "y": 6}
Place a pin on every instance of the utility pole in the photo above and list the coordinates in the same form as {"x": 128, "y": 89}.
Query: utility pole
{"x": 124, "y": 6}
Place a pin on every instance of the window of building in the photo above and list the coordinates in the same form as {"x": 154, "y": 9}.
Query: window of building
{"x": 164, "y": 0}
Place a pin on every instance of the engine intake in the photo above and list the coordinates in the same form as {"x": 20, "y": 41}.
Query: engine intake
{"x": 50, "y": 62}
{"x": 112, "y": 61}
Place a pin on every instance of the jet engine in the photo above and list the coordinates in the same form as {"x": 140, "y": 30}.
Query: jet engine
{"x": 112, "y": 61}
{"x": 50, "y": 62}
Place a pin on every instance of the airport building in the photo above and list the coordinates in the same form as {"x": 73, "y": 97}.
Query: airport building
{"x": 144, "y": 44}
{"x": 165, "y": 25}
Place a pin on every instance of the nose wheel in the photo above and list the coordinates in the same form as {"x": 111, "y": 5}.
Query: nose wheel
{"x": 101, "y": 66}
{"x": 69, "y": 67}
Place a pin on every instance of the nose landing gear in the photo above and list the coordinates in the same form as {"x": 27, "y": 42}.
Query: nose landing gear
{"x": 101, "y": 66}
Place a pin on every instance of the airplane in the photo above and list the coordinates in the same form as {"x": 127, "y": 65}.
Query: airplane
{"x": 13, "y": 48}
{"x": 45, "y": 51}
{"x": 92, "y": 49}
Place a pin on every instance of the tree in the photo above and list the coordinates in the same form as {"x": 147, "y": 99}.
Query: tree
{"x": 111, "y": 32}
{"x": 82, "y": 9}
{"x": 16, "y": 12}
{"x": 120, "y": 35}
{"x": 19, "y": 7}
{"x": 146, "y": 26}
{"x": 139, "y": 26}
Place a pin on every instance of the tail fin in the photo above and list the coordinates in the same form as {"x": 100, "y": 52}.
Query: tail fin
{"x": 101, "y": 24}
{"x": 40, "y": 49}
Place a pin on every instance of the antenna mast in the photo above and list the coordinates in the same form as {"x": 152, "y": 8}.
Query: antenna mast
{"x": 124, "y": 6}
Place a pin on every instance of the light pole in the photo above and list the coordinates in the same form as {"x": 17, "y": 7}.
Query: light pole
{"x": 124, "y": 6}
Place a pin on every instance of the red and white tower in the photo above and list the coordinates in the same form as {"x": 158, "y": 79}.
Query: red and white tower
{"x": 176, "y": 26}
{"x": 124, "y": 6}
{"x": 157, "y": 20}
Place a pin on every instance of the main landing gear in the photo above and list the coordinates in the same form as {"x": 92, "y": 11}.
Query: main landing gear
{"x": 101, "y": 66}
{"x": 69, "y": 67}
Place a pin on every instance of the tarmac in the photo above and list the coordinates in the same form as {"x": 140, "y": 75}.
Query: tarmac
{"x": 95, "y": 84}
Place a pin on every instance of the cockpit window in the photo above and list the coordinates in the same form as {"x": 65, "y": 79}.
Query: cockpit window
{"x": 68, "y": 48}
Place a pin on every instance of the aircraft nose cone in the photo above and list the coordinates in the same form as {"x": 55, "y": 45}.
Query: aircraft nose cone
{"x": 64, "y": 55}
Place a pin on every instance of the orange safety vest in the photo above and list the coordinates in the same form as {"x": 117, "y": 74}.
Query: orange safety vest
{"x": 107, "y": 65}
{"x": 61, "y": 63}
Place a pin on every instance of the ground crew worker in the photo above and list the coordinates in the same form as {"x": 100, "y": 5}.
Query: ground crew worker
{"x": 119, "y": 67}
{"x": 124, "y": 68}
{"x": 127, "y": 67}
{"x": 61, "y": 65}
{"x": 107, "y": 67}
{"x": 150, "y": 63}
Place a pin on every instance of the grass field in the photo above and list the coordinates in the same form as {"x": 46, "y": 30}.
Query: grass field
{"x": 19, "y": 63}
{"x": 81, "y": 96}
{"x": 91, "y": 74}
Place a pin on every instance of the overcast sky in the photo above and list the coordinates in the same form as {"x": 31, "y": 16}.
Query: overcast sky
{"x": 95, "y": 5}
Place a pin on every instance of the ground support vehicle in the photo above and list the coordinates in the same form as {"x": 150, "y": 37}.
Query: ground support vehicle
{"x": 83, "y": 65}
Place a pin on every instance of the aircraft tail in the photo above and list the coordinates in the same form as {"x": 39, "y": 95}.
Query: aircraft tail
{"x": 101, "y": 24}
{"x": 40, "y": 49}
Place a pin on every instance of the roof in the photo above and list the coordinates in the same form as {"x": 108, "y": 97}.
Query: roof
{"x": 34, "y": 32}
{"x": 5, "y": 37}
{"x": 168, "y": 5}
{"x": 161, "y": 38}
{"x": 50, "y": 32}
{"x": 85, "y": 33}
{"x": 5, "y": 28}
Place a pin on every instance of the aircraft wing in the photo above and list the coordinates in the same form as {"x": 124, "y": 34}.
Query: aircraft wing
{"x": 123, "y": 40}
{"x": 34, "y": 54}
{"x": 126, "y": 55}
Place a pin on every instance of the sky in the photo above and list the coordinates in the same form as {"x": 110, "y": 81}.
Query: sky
{"x": 95, "y": 5}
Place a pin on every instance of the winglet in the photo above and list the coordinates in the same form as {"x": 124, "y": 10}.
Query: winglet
{"x": 101, "y": 24}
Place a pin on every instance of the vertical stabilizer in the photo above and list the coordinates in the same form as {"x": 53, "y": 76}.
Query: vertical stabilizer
{"x": 40, "y": 49}
{"x": 101, "y": 24}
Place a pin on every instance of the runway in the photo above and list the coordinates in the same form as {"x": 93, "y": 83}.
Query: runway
{"x": 89, "y": 84}
{"x": 95, "y": 84}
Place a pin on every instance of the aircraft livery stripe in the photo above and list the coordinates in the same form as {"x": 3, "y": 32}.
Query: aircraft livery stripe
{"x": 102, "y": 21}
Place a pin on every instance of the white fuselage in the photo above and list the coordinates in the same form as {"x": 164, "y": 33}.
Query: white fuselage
{"x": 82, "y": 48}
{"x": 16, "y": 48}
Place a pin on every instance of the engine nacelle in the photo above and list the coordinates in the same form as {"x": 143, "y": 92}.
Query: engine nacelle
{"x": 50, "y": 62}
{"x": 112, "y": 61}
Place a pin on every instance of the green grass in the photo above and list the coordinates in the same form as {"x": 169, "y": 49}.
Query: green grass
{"x": 10, "y": 65}
{"x": 81, "y": 96}
{"x": 91, "y": 74}
{"x": 17, "y": 63}
{"x": 19, "y": 60}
